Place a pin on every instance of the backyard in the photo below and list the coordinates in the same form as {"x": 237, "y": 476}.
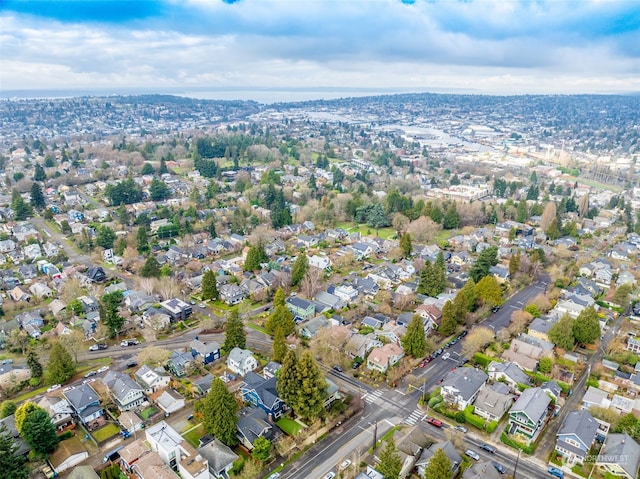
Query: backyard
{"x": 289, "y": 426}
{"x": 105, "y": 432}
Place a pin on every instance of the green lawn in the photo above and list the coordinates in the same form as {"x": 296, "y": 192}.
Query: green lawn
{"x": 289, "y": 426}
{"x": 193, "y": 435}
{"x": 105, "y": 432}
{"x": 148, "y": 412}
{"x": 364, "y": 229}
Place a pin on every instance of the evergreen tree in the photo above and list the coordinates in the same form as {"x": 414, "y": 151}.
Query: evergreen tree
{"x": 488, "y": 258}
{"x": 414, "y": 342}
{"x": 522, "y": 213}
{"x": 209, "y": 286}
{"x": 278, "y": 298}
{"x": 22, "y": 412}
{"x": 432, "y": 280}
{"x": 147, "y": 169}
{"x": 561, "y": 333}
{"x": 151, "y": 268}
{"x": 105, "y": 237}
{"x": 449, "y": 320}
{"x": 142, "y": 240}
{"x": 218, "y": 410}
{"x": 439, "y": 466}
{"x": 39, "y": 432}
{"x": 586, "y": 327}
{"x": 466, "y": 297}
{"x": 390, "y": 463}
{"x": 288, "y": 383}
{"x": 514, "y": 263}
{"x": 39, "y": 174}
{"x": 109, "y": 312}
{"x": 282, "y": 318}
{"x": 488, "y": 291}
{"x": 7, "y": 408}
{"x": 212, "y": 229}
{"x": 451, "y": 218}
{"x": 21, "y": 209}
{"x": 163, "y": 167}
{"x": 312, "y": 388}
{"x": 158, "y": 190}
{"x": 261, "y": 449}
{"x": 37, "y": 197}
{"x": 279, "y": 346}
{"x": 34, "y": 364}
{"x": 235, "y": 336}
{"x": 405, "y": 245}
{"x": 299, "y": 269}
{"x": 255, "y": 256}
{"x": 12, "y": 466}
{"x": 60, "y": 367}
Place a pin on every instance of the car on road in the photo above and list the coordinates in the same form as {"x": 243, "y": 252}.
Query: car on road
{"x": 488, "y": 448}
{"x": 422, "y": 364}
{"x": 129, "y": 342}
{"x": 440, "y": 381}
{"x": 54, "y": 387}
{"x": 275, "y": 475}
{"x": 434, "y": 422}
{"x": 472, "y": 454}
{"x": 344, "y": 464}
{"x": 90, "y": 373}
{"x": 554, "y": 471}
{"x": 102, "y": 369}
{"x": 98, "y": 347}
{"x": 460, "y": 428}
{"x": 446, "y": 356}
{"x": 202, "y": 305}
{"x": 495, "y": 309}
{"x": 338, "y": 368}
{"x": 329, "y": 475}
{"x": 499, "y": 467}
{"x": 464, "y": 333}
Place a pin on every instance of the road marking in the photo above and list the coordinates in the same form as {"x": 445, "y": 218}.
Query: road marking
{"x": 372, "y": 396}
{"x": 414, "y": 417}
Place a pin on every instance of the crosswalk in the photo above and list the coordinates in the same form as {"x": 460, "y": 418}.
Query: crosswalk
{"x": 416, "y": 416}
{"x": 372, "y": 396}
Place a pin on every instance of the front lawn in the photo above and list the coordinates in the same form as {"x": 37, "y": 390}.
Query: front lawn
{"x": 148, "y": 412}
{"x": 289, "y": 426}
{"x": 105, "y": 432}
{"x": 193, "y": 435}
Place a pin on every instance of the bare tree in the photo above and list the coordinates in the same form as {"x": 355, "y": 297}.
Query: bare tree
{"x": 312, "y": 282}
{"x": 153, "y": 356}
{"x": 71, "y": 290}
{"x": 519, "y": 321}
{"x": 548, "y": 215}
{"x": 329, "y": 344}
{"x": 399, "y": 222}
{"x": 423, "y": 230}
{"x": 146, "y": 285}
{"x": 541, "y": 302}
{"x": 404, "y": 301}
{"x": 74, "y": 342}
{"x": 166, "y": 287}
{"x": 476, "y": 340}
{"x": 583, "y": 205}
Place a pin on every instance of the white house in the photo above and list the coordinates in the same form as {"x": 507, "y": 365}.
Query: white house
{"x": 320, "y": 262}
{"x": 176, "y": 452}
{"x": 241, "y": 361}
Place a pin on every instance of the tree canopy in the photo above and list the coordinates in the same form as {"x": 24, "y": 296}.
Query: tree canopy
{"x": 302, "y": 386}
{"x": 60, "y": 367}
{"x": 209, "y": 286}
{"x": 299, "y": 269}
{"x": 124, "y": 192}
{"x": 12, "y": 466}
{"x": 561, "y": 333}
{"x": 414, "y": 342}
{"x": 235, "y": 337}
{"x": 218, "y": 410}
{"x": 255, "y": 257}
{"x": 390, "y": 463}
{"x": 488, "y": 258}
{"x": 586, "y": 327}
{"x": 439, "y": 466}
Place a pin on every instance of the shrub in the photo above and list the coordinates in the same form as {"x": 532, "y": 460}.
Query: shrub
{"x": 472, "y": 419}
{"x": 482, "y": 359}
{"x": 492, "y": 426}
{"x": 66, "y": 435}
{"x": 530, "y": 449}
{"x": 460, "y": 417}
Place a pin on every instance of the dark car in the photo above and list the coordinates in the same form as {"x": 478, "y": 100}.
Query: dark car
{"x": 488, "y": 448}
{"x": 464, "y": 333}
{"x": 499, "y": 467}
{"x": 355, "y": 365}
{"x": 337, "y": 368}
{"x": 495, "y": 309}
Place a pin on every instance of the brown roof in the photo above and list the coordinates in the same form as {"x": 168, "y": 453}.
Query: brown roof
{"x": 66, "y": 449}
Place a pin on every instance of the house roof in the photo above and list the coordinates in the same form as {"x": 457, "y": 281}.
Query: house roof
{"x": 449, "y": 450}
{"x": 299, "y": 302}
{"x": 252, "y": 423}
{"x": 120, "y": 384}
{"x": 465, "y": 381}
{"x": 621, "y": 449}
{"x": 533, "y": 402}
{"x": 481, "y": 470}
{"x": 240, "y": 355}
{"x": 65, "y": 450}
{"x": 218, "y": 454}
{"x": 511, "y": 370}
{"x": 205, "y": 348}
{"x": 581, "y": 424}
{"x": 264, "y": 388}
{"x": 166, "y": 437}
{"x": 492, "y": 401}
{"x": 83, "y": 472}
{"x": 81, "y": 396}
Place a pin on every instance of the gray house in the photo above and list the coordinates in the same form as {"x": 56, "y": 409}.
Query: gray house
{"x": 462, "y": 385}
{"x": 220, "y": 458}
{"x": 126, "y": 393}
{"x": 527, "y": 416}
{"x": 620, "y": 456}
{"x": 509, "y": 373}
{"x": 491, "y": 404}
{"x": 450, "y": 451}
{"x": 576, "y": 436}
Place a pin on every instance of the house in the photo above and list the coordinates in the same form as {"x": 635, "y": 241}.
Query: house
{"x": 262, "y": 393}
{"x": 381, "y": 359}
{"x": 366, "y": 286}
{"x": 83, "y": 472}
{"x": 32, "y": 251}
{"x": 252, "y": 424}
{"x": 320, "y": 262}
{"x": 539, "y": 327}
{"x": 59, "y": 411}
{"x": 40, "y": 290}
{"x": 300, "y": 308}
{"x": 620, "y": 456}
{"x": 633, "y": 344}
{"x": 96, "y": 274}
{"x": 528, "y": 414}
{"x": 552, "y": 389}
{"x": 130, "y": 421}
{"x": 131, "y": 453}
{"x": 126, "y": 393}
{"x": 232, "y": 294}
{"x": 525, "y": 355}
{"x": 85, "y": 403}
{"x": 481, "y": 470}
{"x": 576, "y": 436}
{"x": 170, "y": 401}
{"x": 241, "y": 361}
{"x": 492, "y": 404}
{"x": 329, "y": 300}
{"x": 176, "y": 452}
{"x": 462, "y": 385}
{"x": 150, "y": 466}
{"x": 347, "y": 293}
{"x": 220, "y": 458}
{"x": 595, "y": 397}
{"x": 449, "y": 450}
{"x": 177, "y": 309}
{"x": 179, "y": 362}
{"x": 152, "y": 380}
{"x": 310, "y": 328}
{"x": 18, "y": 294}
{"x": 205, "y": 352}
{"x": 508, "y": 372}
{"x": 359, "y": 345}
{"x": 68, "y": 454}
{"x": 362, "y": 250}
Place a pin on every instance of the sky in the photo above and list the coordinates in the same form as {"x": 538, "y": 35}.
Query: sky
{"x": 483, "y": 46}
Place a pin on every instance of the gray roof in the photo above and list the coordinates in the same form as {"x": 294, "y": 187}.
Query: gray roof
{"x": 466, "y": 381}
{"x": 264, "y": 388}
{"x": 449, "y": 450}
{"x": 239, "y": 355}
{"x": 533, "y": 402}
{"x": 493, "y": 402}
{"x": 542, "y": 325}
{"x": 511, "y": 370}
{"x": 218, "y": 454}
{"x": 551, "y": 387}
{"x": 621, "y": 449}
{"x": 81, "y": 396}
{"x": 582, "y": 424}
{"x": 120, "y": 384}
{"x": 481, "y": 470}
{"x": 203, "y": 348}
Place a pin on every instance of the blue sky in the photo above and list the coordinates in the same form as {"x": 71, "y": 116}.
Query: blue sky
{"x": 492, "y": 46}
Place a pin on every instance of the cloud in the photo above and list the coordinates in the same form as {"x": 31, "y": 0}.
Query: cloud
{"x": 496, "y": 45}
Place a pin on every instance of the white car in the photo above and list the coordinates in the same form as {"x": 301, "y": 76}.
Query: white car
{"x": 329, "y": 475}
{"x": 446, "y": 356}
{"x": 54, "y": 387}
{"x": 344, "y": 464}
{"x": 472, "y": 454}
{"x": 102, "y": 369}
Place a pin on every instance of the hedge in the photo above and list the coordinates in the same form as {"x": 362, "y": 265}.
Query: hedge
{"x": 483, "y": 360}
{"x": 530, "y": 449}
{"x": 472, "y": 419}
{"x": 492, "y": 426}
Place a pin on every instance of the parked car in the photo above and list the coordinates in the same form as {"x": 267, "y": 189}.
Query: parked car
{"x": 488, "y": 448}
{"x": 329, "y": 475}
{"x": 464, "y": 333}
{"x": 446, "y": 356}
{"x": 554, "y": 471}
{"x": 337, "y": 368}
{"x": 275, "y": 475}
{"x": 344, "y": 464}
{"x": 129, "y": 342}
{"x": 356, "y": 365}
{"x": 499, "y": 467}
{"x": 495, "y": 309}
{"x": 102, "y": 369}
{"x": 461, "y": 428}
{"x": 202, "y": 305}
{"x": 434, "y": 422}
{"x": 472, "y": 454}
{"x": 98, "y": 347}
{"x": 54, "y": 387}
{"x": 90, "y": 373}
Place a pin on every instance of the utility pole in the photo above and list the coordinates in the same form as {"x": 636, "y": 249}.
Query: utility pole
{"x": 375, "y": 435}
{"x": 515, "y": 468}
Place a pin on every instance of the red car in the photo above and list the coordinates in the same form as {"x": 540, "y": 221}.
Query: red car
{"x": 423, "y": 364}
{"x": 434, "y": 422}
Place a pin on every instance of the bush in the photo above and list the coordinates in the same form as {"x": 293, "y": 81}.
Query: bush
{"x": 482, "y": 359}
{"x": 492, "y": 426}
{"x": 460, "y": 417}
{"x": 472, "y": 419}
{"x": 530, "y": 449}
{"x": 66, "y": 435}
